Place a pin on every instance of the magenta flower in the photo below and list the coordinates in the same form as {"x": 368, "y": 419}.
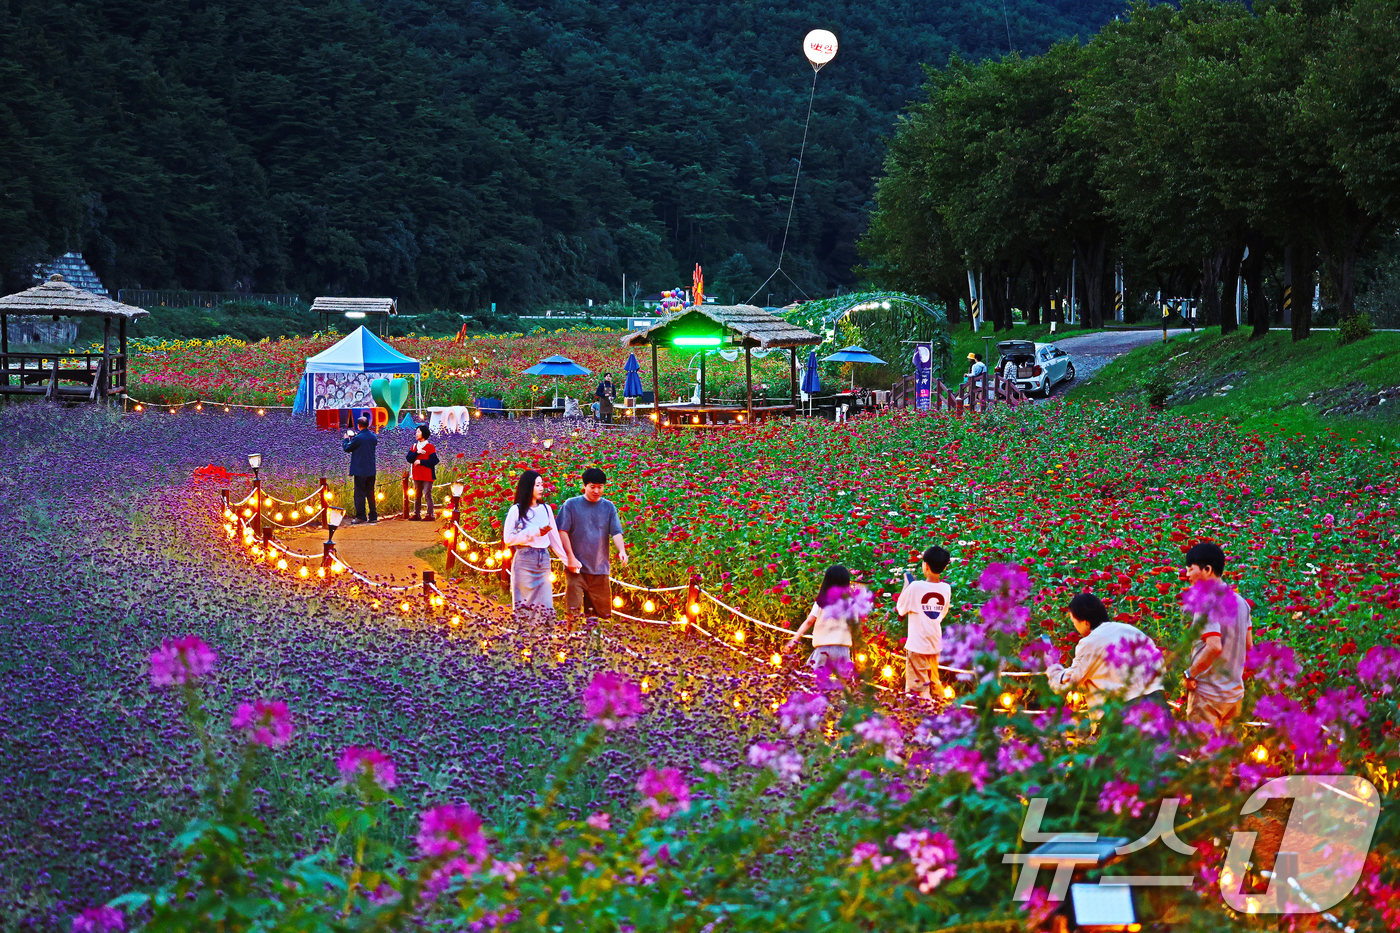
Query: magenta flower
{"x": 264, "y": 722}
{"x": 948, "y": 726}
{"x": 1120, "y": 796}
{"x": 1008, "y": 580}
{"x": 1016, "y": 756}
{"x": 785, "y": 763}
{"x": 1380, "y": 668}
{"x": 833, "y": 675}
{"x": 1212, "y": 598}
{"x": 1273, "y": 662}
{"x": 600, "y": 821}
{"x": 863, "y": 852}
{"x": 611, "y": 701}
{"x": 356, "y": 761}
{"x": 933, "y": 855}
{"x": 449, "y": 829}
{"x": 664, "y": 791}
{"x": 102, "y": 919}
{"x": 1139, "y": 656}
{"x": 961, "y": 759}
{"x": 802, "y": 712}
{"x": 1006, "y": 614}
{"x": 1037, "y": 654}
{"x": 848, "y": 604}
{"x": 885, "y": 731}
{"x": 179, "y": 661}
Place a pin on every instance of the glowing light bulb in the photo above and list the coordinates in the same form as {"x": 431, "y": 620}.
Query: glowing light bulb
{"x": 617, "y": 602}
{"x": 473, "y": 556}
{"x": 948, "y": 693}
{"x": 1260, "y": 754}
{"x": 456, "y": 620}
{"x": 777, "y": 660}
{"x": 860, "y": 658}
{"x": 685, "y": 696}
{"x": 561, "y": 657}
{"x": 646, "y": 684}
{"x": 282, "y": 563}
{"x": 379, "y": 497}
{"x": 887, "y": 672}
{"x": 695, "y": 609}
{"x": 261, "y": 411}
{"x": 739, "y": 637}
{"x": 448, "y": 533}
{"x": 553, "y": 576}
{"x": 490, "y": 561}
{"x": 321, "y": 572}
{"x": 337, "y": 567}
{"x": 277, "y": 517}
{"x": 649, "y": 606}
{"x": 304, "y": 571}
{"x": 1008, "y": 700}
{"x": 404, "y": 606}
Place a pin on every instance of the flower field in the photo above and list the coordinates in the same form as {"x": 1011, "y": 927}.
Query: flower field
{"x": 370, "y": 765}
{"x": 486, "y": 366}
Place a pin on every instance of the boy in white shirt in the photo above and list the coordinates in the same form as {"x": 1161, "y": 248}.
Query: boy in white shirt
{"x": 925, "y": 604}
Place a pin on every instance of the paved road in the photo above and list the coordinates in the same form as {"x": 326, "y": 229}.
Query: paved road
{"x": 1092, "y": 352}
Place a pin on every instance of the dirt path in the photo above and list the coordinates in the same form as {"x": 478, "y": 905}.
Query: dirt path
{"x": 383, "y": 551}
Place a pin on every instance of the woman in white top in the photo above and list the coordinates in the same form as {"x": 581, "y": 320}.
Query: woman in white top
{"x": 531, "y": 530}
{"x": 831, "y": 638}
{"x": 1113, "y": 660}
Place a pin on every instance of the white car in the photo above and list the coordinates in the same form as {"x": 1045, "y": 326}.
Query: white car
{"x": 1039, "y": 366}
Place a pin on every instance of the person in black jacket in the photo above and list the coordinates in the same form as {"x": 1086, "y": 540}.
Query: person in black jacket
{"x": 361, "y": 448}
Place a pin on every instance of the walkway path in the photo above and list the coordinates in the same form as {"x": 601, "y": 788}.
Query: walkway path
{"x": 1092, "y": 352}
{"x": 384, "y": 550}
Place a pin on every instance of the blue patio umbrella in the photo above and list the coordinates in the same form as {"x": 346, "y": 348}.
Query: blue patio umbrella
{"x": 632, "y": 388}
{"x": 852, "y": 355}
{"x": 558, "y": 366}
{"x": 811, "y": 382}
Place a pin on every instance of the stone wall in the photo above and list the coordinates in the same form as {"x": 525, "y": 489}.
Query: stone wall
{"x": 45, "y": 330}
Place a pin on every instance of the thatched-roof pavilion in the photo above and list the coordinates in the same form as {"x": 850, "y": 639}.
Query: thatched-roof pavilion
{"x": 101, "y": 374}
{"x": 356, "y": 309}
{"x": 716, "y": 326}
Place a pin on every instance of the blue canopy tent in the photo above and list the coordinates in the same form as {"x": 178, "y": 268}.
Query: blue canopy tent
{"x": 359, "y": 352}
{"x": 632, "y": 387}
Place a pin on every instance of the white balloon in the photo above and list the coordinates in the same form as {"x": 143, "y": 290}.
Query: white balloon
{"x": 819, "y": 47}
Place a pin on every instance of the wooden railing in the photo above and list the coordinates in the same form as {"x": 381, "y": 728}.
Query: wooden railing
{"x": 71, "y": 376}
{"x": 977, "y": 395}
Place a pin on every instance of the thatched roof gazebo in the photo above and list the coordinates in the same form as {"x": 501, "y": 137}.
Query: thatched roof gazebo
{"x": 705, "y": 327}
{"x": 356, "y": 309}
{"x": 100, "y": 374}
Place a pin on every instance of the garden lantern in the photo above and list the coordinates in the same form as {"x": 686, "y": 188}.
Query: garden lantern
{"x": 255, "y": 461}
{"x": 333, "y": 519}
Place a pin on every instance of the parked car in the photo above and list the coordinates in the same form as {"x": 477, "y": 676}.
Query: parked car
{"x": 1039, "y": 366}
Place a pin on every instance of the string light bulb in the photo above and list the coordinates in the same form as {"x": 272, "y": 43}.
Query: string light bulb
{"x": 777, "y": 660}
{"x": 1259, "y": 754}
{"x": 739, "y": 636}
{"x": 1007, "y": 700}
{"x": 649, "y": 606}
{"x": 695, "y": 609}
{"x": 282, "y": 563}
{"x": 948, "y": 693}
{"x": 617, "y": 602}
{"x": 456, "y": 620}
{"x": 887, "y": 672}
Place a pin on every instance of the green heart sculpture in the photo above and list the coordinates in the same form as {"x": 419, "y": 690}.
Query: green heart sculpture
{"x": 390, "y": 394}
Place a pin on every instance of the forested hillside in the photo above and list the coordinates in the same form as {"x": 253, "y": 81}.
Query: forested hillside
{"x": 463, "y": 152}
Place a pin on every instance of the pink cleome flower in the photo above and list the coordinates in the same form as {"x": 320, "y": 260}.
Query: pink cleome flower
{"x": 933, "y": 855}
{"x": 1380, "y": 668}
{"x": 449, "y": 829}
{"x": 1120, "y": 796}
{"x": 863, "y": 852}
{"x": 1016, "y": 756}
{"x": 179, "y": 661}
{"x": 367, "y": 760}
{"x": 611, "y": 701}
{"x": 1273, "y": 662}
{"x": 600, "y": 821}
{"x": 802, "y": 712}
{"x": 883, "y": 730}
{"x": 264, "y": 722}
{"x": 664, "y": 791}
{"x": 102, "y": 919}
{"x": 1009, "y": 580}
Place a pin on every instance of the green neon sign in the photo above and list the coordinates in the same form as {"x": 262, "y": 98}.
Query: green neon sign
{"x": 695, "y": 342}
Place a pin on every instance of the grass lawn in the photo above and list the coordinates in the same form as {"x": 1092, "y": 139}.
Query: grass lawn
{"x": 1270, "y": 381}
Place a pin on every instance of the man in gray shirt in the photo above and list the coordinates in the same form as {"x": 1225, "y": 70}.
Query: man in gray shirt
{"x": 586, "y": 523}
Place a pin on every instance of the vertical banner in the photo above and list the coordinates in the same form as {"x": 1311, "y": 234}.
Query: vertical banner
{"x": 923, "y": 376}
{"x": 974, "y": 302}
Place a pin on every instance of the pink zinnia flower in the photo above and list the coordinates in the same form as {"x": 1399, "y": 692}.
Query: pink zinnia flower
{"x": 451, "y": 828}
{"x": 179, "y": 661}
{"x": 264, "y": 722}
{"x": 933, "y": 855}
{"x": 612, "y": 702}
{"x": 664, "y": 791}
{"x": 356, "y": 761}
{"x": 102, "y": 919}
{"x": 802, "y": 712}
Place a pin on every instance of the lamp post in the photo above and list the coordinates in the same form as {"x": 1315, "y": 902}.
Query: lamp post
{"x": 333, "y": 519}
{"x": 457, "y": 489}
{"x": 255, "y": 461}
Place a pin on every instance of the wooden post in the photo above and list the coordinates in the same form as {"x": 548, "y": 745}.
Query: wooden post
{"x": 702, "y": 378}
{"x": 327, "y": 557}
{"x": 324, "y": 489}
{"x": 5, "y": 348}
{"x": 792, "y": 380}
{"x": 454, "y": 522}
{"x": 748, "y": 380}
{"x": 257, "y": 504}
{"x": 405, "y": 494}
{"x": 428, "y": 578}
{"x": 655, "y": 389}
